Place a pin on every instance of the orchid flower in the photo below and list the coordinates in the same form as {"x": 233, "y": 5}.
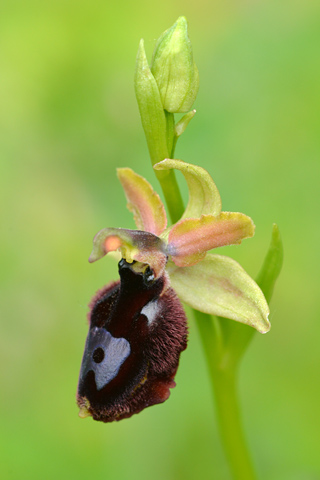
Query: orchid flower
{"x": 211, "y": 283}
{"x": 137, "y": 327}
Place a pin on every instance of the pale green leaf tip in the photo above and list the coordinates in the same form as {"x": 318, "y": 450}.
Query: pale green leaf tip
{"x": 141, "y": 57}
{"x": 276, "y": 233}
{"x": 272, "y": 264}
{"x": 182, "y": 22}
{"x": 183, "y": 123}
{"x": 266, "y": 326}
{"x": 271, "y": 267}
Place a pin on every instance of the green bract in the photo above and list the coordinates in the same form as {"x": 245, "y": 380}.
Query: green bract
{"x": 213, "y": 284}
{"x": 150, "y": 106}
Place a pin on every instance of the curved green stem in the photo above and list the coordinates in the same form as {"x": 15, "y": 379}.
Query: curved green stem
{"x": 167, "y": 178}
{"x": 171, "y": 193}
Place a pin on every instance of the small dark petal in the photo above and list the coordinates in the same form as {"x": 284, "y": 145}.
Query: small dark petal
{"x": 137, "y": 332}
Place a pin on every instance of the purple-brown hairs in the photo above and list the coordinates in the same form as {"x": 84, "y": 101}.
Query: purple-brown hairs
{"x": 136, "y": 334}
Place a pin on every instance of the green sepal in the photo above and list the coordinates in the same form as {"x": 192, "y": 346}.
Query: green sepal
{"x": 220, "y": 286}
{"x": 204, "y": 197}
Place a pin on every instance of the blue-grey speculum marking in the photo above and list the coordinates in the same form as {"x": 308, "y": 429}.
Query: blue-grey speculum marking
{"x": 115, "y": 352}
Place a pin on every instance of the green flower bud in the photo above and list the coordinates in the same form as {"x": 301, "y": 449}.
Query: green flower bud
{"x": 174, "y": 69}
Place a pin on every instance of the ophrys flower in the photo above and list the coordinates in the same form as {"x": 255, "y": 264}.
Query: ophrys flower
{"x": 138, "y": 327}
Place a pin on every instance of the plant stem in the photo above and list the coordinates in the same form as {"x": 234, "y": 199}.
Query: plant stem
{"x": 223, "y": 376}
{"x": 171, "y": 193}
{"x": 228, "y": 412}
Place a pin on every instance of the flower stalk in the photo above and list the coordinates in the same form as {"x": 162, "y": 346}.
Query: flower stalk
{"x": 224, "y": 379}
{"x": 170, "y": 86}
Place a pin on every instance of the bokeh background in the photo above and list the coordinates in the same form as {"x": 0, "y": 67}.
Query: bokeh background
{"x": 68, "y": 118}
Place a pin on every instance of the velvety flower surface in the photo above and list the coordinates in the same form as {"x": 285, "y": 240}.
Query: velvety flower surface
{"x": 137, "y": 332}
{"x": 138, "y": 326}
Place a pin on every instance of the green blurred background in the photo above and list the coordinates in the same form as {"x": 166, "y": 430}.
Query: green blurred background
{"x": 68, "y": 118}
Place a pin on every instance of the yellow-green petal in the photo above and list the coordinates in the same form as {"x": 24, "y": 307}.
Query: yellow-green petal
{"x": 145, "y": 204}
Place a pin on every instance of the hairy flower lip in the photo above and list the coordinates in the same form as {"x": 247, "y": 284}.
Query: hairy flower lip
{"x": 145, "y": 315}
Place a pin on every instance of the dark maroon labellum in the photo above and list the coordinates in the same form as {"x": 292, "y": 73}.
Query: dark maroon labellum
{"x": 137, "y": 332}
